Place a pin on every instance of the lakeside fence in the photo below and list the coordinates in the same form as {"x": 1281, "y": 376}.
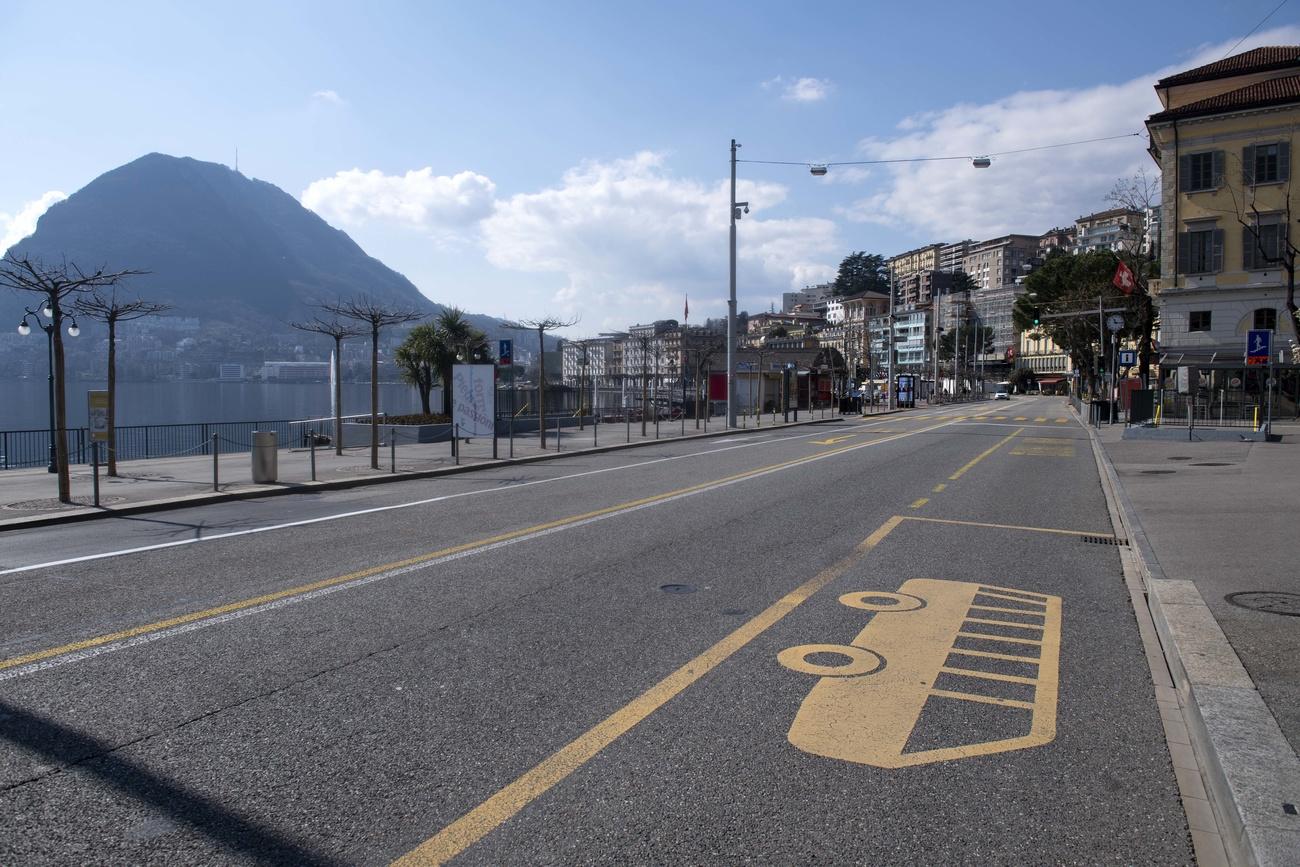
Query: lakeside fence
{"x": 31, "y": 448}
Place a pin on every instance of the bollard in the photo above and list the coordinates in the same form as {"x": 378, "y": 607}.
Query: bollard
{"x": 216, "y": 447}
{"x": 94, "y": 458}
{"x": 494, "y": 438}
{"x": 511, "y": 431}
{"x": 595, "y": 429}
{"x": 628, "y": 416}
{"x": 455, "y": 443}
{"x": 557, "y": 433}
{"x": 656, "y": 421}
{"x": 392, "y": 450}
{"x": 313, "y": 456}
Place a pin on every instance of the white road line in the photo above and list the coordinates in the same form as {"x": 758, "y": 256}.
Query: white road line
{"x": 122, "y": 552}
{"x": 92, "y": 652}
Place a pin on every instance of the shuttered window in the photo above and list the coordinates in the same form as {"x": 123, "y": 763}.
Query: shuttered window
{"x": 1200, "y": 171}
{"x": 1266, "y": 163}
{"x": 1266, "y": 319}
{"x": 1200, "y": 251}
{"x": 1262, "y": 245}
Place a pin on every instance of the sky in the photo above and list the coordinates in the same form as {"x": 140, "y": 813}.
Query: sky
{"x": 565, "y": 159}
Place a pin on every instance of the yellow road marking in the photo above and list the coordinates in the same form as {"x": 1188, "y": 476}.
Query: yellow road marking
{"x": 830, "y": 441}
{"x": 489, "y": 815}
{"x": 916, "y": 504}
{"x": 1053, "y": 447}
{"x": 868, "y": 713}
{"x": 1021, "y": 418}
{"x": 1062, "y": 420}
{"x": 984, "y": 454}
{"x": 302, "y": 589}
{"x": 939, "y": 487}
{"x": 1041, "y": 418}
{"x": 1011, "y": 527}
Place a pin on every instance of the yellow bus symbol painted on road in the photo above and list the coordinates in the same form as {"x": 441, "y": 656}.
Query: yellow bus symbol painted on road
{"x": 945, "y": 670}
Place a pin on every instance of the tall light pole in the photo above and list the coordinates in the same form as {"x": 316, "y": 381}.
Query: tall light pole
{"x": 889, "y": 344}
{"x": 25, "y": 329}
{"x": 736, "y": 208}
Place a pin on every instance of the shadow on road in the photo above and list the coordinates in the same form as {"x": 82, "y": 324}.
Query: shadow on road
{"x": 66, "y": 747}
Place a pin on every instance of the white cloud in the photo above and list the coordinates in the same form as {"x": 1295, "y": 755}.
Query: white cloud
{"x": 330, "y": 96}
{"x": 800, "y": 89}
{"x": 1027, "y": 192}
{"x": 418, "y": 199}
{"x": 15, "y": 227}
{"x": 631, "y": 240}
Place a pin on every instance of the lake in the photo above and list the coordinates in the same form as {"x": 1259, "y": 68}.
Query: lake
{"x": 24, "y": 403}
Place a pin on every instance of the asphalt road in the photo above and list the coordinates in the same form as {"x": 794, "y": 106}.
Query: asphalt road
{"x": 899, "y": 641}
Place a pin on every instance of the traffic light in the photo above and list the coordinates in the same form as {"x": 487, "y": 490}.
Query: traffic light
{"x": 1036, "y": 320}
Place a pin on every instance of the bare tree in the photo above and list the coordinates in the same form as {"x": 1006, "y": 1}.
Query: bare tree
{"x": 339, "y": 331}
{"x": 541, "y": 326}
{"x": 1141, "y": 192}
{"x": 59, "y": 285}
{"x": 1273, "y": 247}
{"x": 106, "y": 307}
{"x": 375, "y": 316}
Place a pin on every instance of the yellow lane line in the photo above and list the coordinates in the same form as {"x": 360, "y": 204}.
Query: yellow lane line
{"x": 1012, "y": 527}
{"x": 984, "y": 454}
{"x": 301, "y": 589}
{"x": 983, "y": 699}
{"x": 492, "y": 813}
{"x": 919, "y": 503}
{"x": 939, "y": 487}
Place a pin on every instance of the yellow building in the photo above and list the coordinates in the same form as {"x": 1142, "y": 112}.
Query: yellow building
{"x": 1223, "y": 144}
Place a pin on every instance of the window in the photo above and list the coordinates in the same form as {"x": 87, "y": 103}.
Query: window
{"x": 1266, "y": 319}
{"x": 1263, "y": 244}
{"x": 1203, "y": 171}
{"x": 1198, "y": 320}
{"x": 1266, "y": 163}
{"x": 1200, "y": 250}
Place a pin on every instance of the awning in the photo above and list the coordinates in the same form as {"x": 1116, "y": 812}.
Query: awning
{"x": 1050, "y": 380}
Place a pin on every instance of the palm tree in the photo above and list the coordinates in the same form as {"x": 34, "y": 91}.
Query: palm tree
{"x": 458, "y": 338}
{"x": 418, "y": 358}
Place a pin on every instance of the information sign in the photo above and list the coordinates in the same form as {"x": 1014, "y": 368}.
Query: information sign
{"x": 97, "y": 415}
{"x": 1259, "y": 346}
{"x": 1128, "y": 357}
{"x": 505, "y": 352}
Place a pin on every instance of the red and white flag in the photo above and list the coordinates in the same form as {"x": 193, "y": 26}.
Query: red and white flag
{"x": 1124, "y": 280}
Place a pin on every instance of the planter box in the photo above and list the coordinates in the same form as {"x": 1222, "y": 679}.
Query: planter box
{"x": 355, "y": 435}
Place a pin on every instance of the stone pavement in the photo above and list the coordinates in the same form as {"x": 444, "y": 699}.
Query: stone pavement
{"x": 28, "y": 497}
{"x": 1213, "y": 525}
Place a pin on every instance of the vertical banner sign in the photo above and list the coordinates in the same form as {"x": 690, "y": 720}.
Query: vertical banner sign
{"x": 1259, "y": 346}
{"x": 472, "y": 392}
{"x": 505, "y": 352}
{"x": 97, "y": 415}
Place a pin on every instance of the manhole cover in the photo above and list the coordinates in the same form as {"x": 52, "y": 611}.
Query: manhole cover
{"x": 53, "y": 504}
{"x": 1211, "y": 464}
{"x": 1271, "y": 601}
{"x": 677, "y": 588}
{"x": 1180, "y": 458}
{"x": 1158, "y": 472}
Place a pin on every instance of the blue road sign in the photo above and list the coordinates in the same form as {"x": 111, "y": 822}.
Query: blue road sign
{"x": 505, "y": 352}
{"x": 1259, "y": 346}
{"x": 1128, "y": 357}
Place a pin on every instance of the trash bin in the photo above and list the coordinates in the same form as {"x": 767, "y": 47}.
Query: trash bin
{"x": 264, "y": 457}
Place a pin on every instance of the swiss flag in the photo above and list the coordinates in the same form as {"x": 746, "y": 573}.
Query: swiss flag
{"x": 1123, "y": 279}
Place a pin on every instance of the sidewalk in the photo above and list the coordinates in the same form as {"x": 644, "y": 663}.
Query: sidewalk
{"x": 1213, "y": 525}
{"x": 29, "y": 497}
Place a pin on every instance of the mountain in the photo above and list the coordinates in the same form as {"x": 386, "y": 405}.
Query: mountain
{"x": 217, "y": 245}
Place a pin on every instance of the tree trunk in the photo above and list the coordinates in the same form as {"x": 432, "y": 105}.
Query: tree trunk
{"x": 1290, "y": 297}
{"x": 60, "y": 409}
{"x": 374, "y": 397}
{"x": 112, "y": 395}
{"x": 444, "y": 374}
{"x": 425, "y": 385}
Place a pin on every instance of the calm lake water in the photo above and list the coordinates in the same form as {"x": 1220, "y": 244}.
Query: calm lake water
{"x": 24, "y": 403}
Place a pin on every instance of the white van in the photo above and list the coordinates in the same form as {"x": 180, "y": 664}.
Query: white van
{"x": 1003, "y": 391}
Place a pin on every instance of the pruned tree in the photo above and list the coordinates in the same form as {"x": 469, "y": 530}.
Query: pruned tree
{"x": 1141, "y": 192}
{"x": 338, "y": 331}
{"x": 58, "y": 285}
{"x": 374, "y": 316}
{"x": 104, "y": 305}
{"x": 541, "y": 326}
{"x": 1266, "y": 235}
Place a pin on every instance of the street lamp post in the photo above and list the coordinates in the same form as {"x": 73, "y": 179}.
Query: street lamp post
{"x": 736, "y": 210}
{"x": 24, "y": 329}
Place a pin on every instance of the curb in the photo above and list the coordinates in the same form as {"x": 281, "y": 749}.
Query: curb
{"x": 1249, "y": 770}
{"x": 255, "y": 492}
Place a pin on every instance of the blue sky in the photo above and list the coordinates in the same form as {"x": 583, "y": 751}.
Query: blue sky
{"x": 523, "y": 159}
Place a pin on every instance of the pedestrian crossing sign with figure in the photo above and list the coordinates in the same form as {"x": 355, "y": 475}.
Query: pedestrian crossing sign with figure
{"x": 1259, "y": 346}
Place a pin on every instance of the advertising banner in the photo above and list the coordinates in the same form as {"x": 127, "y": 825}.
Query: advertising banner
{"x": 473, "y": 393}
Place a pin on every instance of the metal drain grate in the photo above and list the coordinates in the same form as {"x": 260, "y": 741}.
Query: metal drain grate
{"x": 1103, "y": 540}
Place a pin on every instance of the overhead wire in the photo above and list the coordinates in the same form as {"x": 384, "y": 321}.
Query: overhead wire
{"x": 940, "y": 159}
{"x": 1253, "y": 29}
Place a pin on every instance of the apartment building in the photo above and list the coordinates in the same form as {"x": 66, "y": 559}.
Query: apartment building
{"x": 952, "y": 257}
{"x": 808, "y": 297}
{"x": 912, "y": 272}
{"x": 1056, "y": 238}
{"x": 1223, "y": 145}
{"x": 1115, "y": 230}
